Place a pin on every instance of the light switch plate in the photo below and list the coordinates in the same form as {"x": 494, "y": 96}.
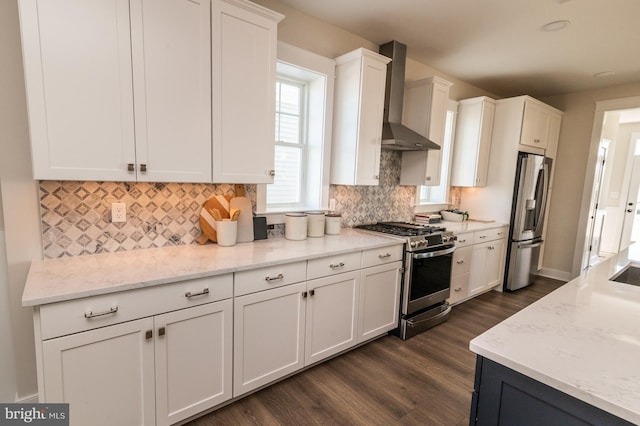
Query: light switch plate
{"x": 118, "y": 212}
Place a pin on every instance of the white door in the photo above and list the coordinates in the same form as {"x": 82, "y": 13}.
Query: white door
{"x": 332, "y": 309}
{"x": 77, "y": 58}
{"x": 106, "y": 375}
{"x": 535, "y": 125}
{"x": 268, "y": 336}
{"x": 171, "y": 51}
{"x": 478, "y": 279}
{"x": 495, "y": 263}
{"x": 631, "y": 216}
{"x": 379, "y": 300}
{"x": 193, "y": 354}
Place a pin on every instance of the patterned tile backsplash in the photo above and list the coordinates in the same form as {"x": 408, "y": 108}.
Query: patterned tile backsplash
{"x": 76, "y": 216}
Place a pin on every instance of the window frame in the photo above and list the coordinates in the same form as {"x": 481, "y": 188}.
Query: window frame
{"x": 299, "y": 62}
{"x": 424, "y": 205}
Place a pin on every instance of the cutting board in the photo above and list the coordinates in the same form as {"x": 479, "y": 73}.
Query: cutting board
{"x": 245, "y": 220}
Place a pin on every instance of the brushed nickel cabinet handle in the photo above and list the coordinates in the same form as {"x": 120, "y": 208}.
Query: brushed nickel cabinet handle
{"x": 91, "y": 314}
{"x": 384, "y": 256}
{"x": 312, "y": 292}
{"x": 131, "y": 167}
{"x": 161, "y": 331}
{"x": 276, "y": 278}
{"x": 272, "y": 172}
{"x": 336, "y": 265}
{"x": 143, "y": 168}
{"x": 460, "y": 262}
{"x": 189, "y": 295}
{"x": 148, "y": 334}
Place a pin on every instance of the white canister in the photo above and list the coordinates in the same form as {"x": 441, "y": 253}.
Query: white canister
{"x": 332, "y": 223}
{"x": 295, "y": 226}
{"x": 227, "y": 232}
{"x": 315, "y": 225}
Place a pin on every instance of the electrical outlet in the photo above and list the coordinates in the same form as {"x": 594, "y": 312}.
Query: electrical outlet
{"x": 332, "y": 204}
{"x": 118, "y": 212}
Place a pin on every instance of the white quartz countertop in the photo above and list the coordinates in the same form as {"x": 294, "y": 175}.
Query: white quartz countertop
{"x": 470, "y": 225}
{"x": 55, "y": 280}
{"x": 582, "y": 339}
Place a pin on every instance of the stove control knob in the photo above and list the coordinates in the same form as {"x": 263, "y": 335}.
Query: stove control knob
{"x": 413, "y": 244}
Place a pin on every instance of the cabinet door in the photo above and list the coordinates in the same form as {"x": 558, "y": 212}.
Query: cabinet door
{"x": 370, "y": 127}
{"x": 171, "y": 51}
{"x": 495, "y": 262}
{"x": 331, "y": 315}
{"x": 244, "y": 47}
{"x": 535, "y": 125}
{"x": 106, "y": 375}
{"x": 478, "y": 274}
{"x": 379, "y": 300}
{"x": 77, "y": 60}
{"x": 193, "y": 353}
{"x": 268, "y": 336}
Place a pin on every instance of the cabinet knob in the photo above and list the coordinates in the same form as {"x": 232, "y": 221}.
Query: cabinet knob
{"x": 460, "y": 262}
{"x": 272, "y": 172}
{"x": 131, "y": 167}
{"x": 148, "y": 334}
{"x": 161, "y": 331}
{"x": 312, "y": 292}
{"x": 376, "y": 177}
{"x": 143, "y": 168}
{"x": 428, "y": 178}
{"x": 457, "y": 289}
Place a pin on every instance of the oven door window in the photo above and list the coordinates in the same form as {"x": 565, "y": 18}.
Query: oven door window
{"x": 430, "y": 275}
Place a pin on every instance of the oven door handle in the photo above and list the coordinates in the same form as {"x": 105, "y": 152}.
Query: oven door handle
{"x": 433, "y": 253}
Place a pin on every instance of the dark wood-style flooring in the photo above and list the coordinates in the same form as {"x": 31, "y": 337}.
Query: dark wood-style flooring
{"x": 426, "y": 380}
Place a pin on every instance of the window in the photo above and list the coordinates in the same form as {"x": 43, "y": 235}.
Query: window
{"x": 437, "y": 195}
{"x": 304, "y": 109}
{"x": 290, "y": 153}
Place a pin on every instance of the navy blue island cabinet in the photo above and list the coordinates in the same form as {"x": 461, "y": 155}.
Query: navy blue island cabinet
{"x": 502, "y": 396}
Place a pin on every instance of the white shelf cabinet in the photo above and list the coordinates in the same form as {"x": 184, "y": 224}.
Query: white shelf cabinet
{"x": 379, "y": 300}
{"x": 158, "y": 355}
{"x": 425, "y": 112}
{"x": 244, "y": 53}
{"x": 81, "y": 104}
{"x": 357, "y": 122}
{"x": 472, "y": 146}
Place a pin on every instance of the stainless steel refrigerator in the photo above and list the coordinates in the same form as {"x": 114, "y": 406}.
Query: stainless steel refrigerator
{"x": 527, "y": 219}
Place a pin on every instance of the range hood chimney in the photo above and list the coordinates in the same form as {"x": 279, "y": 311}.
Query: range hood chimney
{"x": 395, "y": 136}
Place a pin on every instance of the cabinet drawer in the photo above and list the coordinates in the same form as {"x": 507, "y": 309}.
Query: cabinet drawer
{"x": 459, "y": 288}
{"x": 464, "y": 240}
{"x": 382, "y": 255}
{"x": 490, "y": 234}
{"x": 332, "y": 265}
{"x": 461, "y": 261}
{"x": 58, "y": 319}
{"x": 269, "y": 277}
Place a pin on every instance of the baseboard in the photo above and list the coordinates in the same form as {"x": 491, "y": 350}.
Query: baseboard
{"x": 32, "y": 399}
{"x": 555, "y": 274}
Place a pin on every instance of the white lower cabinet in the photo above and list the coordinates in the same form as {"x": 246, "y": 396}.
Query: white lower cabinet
{"x": 106, "y": 375}
{"x": 379, "y": 300}
{"x": 155, "y": 370}
{"x": 268, "y": 336}
{"x": 486, "y": 266}
{"x": 478, "y": 263}
{"x": 193, "y": 360}
{"x": 332, "y": 307}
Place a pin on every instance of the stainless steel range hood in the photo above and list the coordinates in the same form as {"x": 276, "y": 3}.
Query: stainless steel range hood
{"x": 395, "y": 136}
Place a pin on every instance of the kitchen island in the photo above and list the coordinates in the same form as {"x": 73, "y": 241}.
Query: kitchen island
{"x": 569, "y": 358}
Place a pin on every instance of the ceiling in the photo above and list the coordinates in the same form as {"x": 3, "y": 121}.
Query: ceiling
{"x": 499, "y": 45}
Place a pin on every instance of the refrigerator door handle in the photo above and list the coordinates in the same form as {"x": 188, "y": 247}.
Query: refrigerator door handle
{"x": 530, "y": 245}
{"x": 543, "y": 204}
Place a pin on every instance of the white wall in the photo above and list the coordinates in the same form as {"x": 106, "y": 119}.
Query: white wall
{"x": 19, "y": 203}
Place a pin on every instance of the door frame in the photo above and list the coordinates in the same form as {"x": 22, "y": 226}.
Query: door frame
{"x": 596, "y": 133}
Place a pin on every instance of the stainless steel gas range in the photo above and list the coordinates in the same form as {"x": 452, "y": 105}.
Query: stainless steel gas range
{"x": 428, "y": 253}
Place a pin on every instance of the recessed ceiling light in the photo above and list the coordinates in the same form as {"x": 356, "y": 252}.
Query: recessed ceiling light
{"x": 555, "y": 26}
{"x": 604, "y": 74}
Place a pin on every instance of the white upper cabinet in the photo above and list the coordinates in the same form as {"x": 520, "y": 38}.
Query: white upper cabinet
{"x": 357, "y": 123}
{"x": 77, "y": 62}
{"x": 171, "y": 51}
{"x": 244, "y": 53}
{"x": 425, "y": 112}
{"x": 472, "y": 145}
{"x": 122, "y": 90}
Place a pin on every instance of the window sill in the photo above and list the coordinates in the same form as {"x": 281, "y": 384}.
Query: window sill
{"x": 430, "y": 207}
